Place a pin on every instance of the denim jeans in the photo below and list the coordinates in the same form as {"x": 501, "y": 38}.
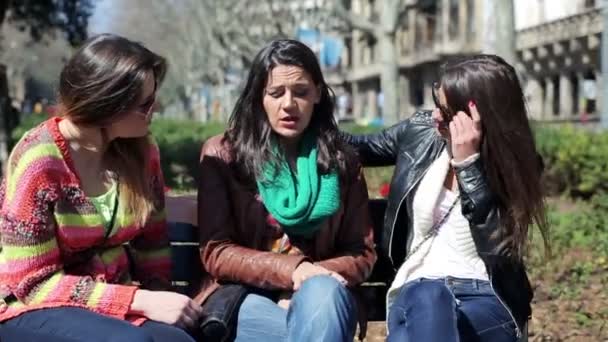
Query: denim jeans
{"x": 69, "y": 324}
{"x": 321, "y": 310}
{"x": 449, "y": 309}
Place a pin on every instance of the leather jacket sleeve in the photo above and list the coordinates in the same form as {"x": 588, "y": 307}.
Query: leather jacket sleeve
{"x": 480, "y": 207}
{"x": 507, "y": 271}
{"x": 221, "y": 255}
{"x": 379, "y": 149}
{"x": 355, "y": 239}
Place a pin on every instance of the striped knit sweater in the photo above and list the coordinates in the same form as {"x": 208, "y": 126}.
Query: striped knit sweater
{"x": 47, "y": 224}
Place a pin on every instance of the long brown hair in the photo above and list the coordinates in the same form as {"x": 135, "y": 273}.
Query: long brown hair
{"x": 511, "y": 162}
{"x": 101, "y": 82}
{"x": 249, "y": 132}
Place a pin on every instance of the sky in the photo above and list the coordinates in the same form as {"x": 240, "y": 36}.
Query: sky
{"x": 527, "y": 12}
{"x": 101, "y": 20}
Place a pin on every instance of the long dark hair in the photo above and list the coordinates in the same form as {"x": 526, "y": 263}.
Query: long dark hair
{"x": 511, "y": 162}
{"x": 249, "y": 132}
{"x": 102, "y": 82}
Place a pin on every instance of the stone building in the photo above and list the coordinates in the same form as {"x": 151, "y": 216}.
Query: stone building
{"x": 560, "y": 58}
{"x": 557, "y": 46}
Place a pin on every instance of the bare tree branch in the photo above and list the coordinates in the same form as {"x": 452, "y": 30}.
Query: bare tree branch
{"x": 354, "y": 20}
{"x": 205, "y": 41}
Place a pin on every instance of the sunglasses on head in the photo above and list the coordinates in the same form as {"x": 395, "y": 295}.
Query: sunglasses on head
{"x": 445, "y": 112}
{"x": 145, "y": 109}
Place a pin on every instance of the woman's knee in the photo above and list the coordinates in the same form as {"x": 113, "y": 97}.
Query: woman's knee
{"x": 260, "y": 318}
{"x": 323, "y": 294}
{"x": 254, "y": 304}
{"x": 77, "y": 323}
{"x": 164, "y": 332}
{"x": 132, "y": 334}
{"x": 322, "y": 309}
{"x": 323, "y": 288}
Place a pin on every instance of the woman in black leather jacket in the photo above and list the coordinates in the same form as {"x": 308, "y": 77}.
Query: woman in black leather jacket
{"x": 466, "y": 187}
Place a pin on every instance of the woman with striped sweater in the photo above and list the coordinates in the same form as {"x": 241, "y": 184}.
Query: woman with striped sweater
{"x": 78, "y": 188}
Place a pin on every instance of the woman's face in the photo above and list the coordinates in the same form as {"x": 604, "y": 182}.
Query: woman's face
{"x": 136, "y": 122}
{"x": 289, "y": 99}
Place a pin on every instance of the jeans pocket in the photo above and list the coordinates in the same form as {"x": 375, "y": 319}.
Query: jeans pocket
{"x": 396, "y": 317}
{"x": 510, "y": 328}
{"x": 505, "y": 332}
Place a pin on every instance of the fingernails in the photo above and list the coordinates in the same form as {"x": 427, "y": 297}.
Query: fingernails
{"x": 471, "y": 103}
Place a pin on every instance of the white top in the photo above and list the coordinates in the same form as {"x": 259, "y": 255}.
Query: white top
{"x": 452, "y": 251}
{"x": 455, "y": 245}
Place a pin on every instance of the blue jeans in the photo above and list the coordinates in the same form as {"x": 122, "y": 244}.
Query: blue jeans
{"x": 321, "y": 310}
{"x": 71, "y": 324}
{"x": 449, "y": 309}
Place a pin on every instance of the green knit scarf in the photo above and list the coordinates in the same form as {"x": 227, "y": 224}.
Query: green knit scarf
{"x": 301, "y": 201}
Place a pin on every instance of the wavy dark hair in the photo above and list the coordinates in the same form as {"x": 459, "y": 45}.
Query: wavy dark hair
{"x": 511, "y": 162}
{"x": 249, "y": 133}
{"x": 100, "y": 84}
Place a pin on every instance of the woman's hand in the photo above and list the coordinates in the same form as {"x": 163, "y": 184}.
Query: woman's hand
{"x": 284, "y": 303}
{"x": 465, "y": 134}
{"x": 284, "y": 300}
{"x": 166, "y": 307}
{"x": 307, "y": 270}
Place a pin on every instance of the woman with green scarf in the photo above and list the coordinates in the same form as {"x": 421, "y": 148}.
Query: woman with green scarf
{"x": 283, "y": 205}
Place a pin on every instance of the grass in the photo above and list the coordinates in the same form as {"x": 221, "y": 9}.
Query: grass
{"x": 376, "y": 177}
{"x": 571, "y": 300}
{"x": 570, "y": 297}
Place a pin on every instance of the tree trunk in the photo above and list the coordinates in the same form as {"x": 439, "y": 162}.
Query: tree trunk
{"x": 6, "y": 117}
{"x": 389, "y": 62}
{"x": 389, "y": 78}
{"x": 499, "y": 27}
{"x": 604, "y": 68}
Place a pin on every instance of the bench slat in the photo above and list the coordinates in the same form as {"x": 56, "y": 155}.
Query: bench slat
{"x": 187, "y": 269}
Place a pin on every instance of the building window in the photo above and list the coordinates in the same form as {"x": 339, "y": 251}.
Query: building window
{"x": 454, "y": 21}
{"x": 556, "y": 93}
{"x": 471, "y": 20}
{"x": 372, "y": 50}
{"x": 431, "y": 30}
{"x": 575, "y": 94}
{"x": 589, "y": 4}
{"x": 427, "y": 23}
{"x": 589, "y": 92}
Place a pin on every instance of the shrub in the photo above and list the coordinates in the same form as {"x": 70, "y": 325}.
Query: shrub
{"x": 586, "y": 226}
{"x": 180, "y": 144}
{"x": 27, "y": 123}
{"x": 358, "y": 129}
{"x": 576, "y": 160}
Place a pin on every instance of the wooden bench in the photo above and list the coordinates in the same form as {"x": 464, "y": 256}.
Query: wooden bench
{"x": 183, "y": 233}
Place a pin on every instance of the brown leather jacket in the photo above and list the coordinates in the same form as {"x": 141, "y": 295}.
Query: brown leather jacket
{"x": 235, "y": 236}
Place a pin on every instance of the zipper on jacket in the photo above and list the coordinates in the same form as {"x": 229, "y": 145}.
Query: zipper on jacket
{"x": 390, "y": 243}
{"x": 518, "y": 330}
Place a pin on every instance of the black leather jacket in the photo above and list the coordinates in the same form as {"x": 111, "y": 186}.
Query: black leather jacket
{"x": 412, "y": 146}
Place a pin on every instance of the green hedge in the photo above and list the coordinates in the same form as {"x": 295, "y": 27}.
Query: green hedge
{"x": 358, "y": 129}
{"x": 180, "y": 144}
{"x": 27, "y": 122}
{"x": 576, "y": 160}
{"x": 581, "y": 224}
